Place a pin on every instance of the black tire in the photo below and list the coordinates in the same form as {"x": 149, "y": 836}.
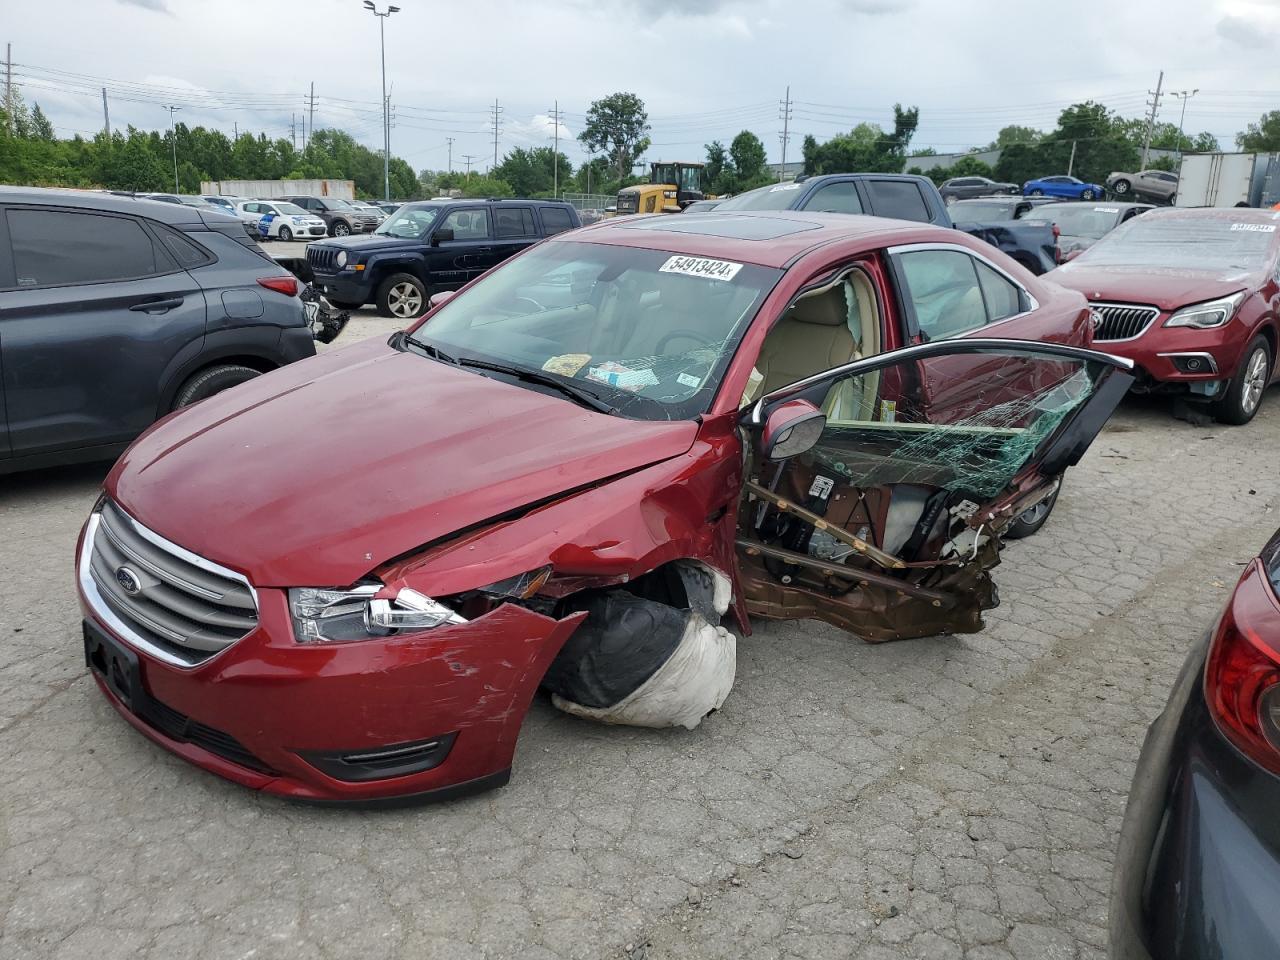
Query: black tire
{"x": 285, "y": 234}
{"x": 345, "y": 304}
{"x": 1087, "y": 195}
{"x": 211, "y": 380}
{"x": 401, "y": 295}
{"x": 340, "y": 228}
{"x": 1033, "y": 519}
{"x": 1244, "y": 393}
{"x": 1173, "y": 199}
{"x": 1037, "y": 192}
{"x": 1121, "y": 188}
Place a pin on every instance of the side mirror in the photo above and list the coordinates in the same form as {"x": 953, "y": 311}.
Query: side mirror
{"x": 443, "y": 235}
{"x": 791, "y": 429}
{"x": 439, "y": 298}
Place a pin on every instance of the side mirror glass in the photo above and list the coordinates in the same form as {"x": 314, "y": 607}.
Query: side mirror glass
{"x": 439, "y": 298}
{"x": 443, "y": 235}
{"x": 791, "y": 428}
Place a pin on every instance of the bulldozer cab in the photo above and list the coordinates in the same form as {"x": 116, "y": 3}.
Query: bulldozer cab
{"x": 671, "y": 188}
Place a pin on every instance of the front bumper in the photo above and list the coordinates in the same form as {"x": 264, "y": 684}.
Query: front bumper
{"x": 265, "y": 711}
{"x": 1197, "y": 873}
{"x": 344, "y": 288}
{"x": 1165, "y": 354}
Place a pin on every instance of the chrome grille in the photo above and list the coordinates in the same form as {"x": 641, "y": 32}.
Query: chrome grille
{"x": 322, "y": 259}
{"x": 1123, "y": 321}
{"x": 167, "y": 600}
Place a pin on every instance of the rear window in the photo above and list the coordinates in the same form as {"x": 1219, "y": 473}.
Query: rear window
{"x": 56, "y": 248}
{"x": 187, "y": 253}
{"x": 555, "y": 220}
{"x": 900, "y": 199}
{"x": 513, "y": 222}
{"x": 1181, "y": 242}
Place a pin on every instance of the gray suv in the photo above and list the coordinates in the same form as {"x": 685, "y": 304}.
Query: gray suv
{"x": 342, "y": 217}
{"x": 115, "y": 311}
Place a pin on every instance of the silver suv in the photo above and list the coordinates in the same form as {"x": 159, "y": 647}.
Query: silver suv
{"x": 1158, "y": 186}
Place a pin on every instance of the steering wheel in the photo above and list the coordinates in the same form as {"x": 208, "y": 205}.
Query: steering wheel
{"x": 537, "y": 306}
{"x": 697, "y": 335}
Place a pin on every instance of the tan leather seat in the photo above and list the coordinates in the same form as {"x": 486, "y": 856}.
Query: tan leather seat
{"x": 811, "y": 337}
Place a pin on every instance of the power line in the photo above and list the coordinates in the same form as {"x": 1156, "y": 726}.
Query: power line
{"x": 555, "y": 151}
{"x": 497, "y": 129}
{"x": 449, "y": 141}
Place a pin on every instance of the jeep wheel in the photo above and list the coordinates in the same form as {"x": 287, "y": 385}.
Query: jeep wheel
{"x": 212, "y": 380}
{"x": 1244, "y": 392}
{"x": 341, "y": 228}
{"x": 403, "y": 296}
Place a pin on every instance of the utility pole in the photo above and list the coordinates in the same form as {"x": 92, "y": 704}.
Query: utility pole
{"x": 555, "y": 151}
{"x": 235, "y": 130}
{"x": 173, "y": 139}
{"x": 470, "y": 160}
{"x": 310, "y": 128}
{"x": 386, "y": 120}
{"x": 106, "y": 117}
{"x": 8, "y": 85}
{"x": 1072, "y": 162}
{"x": 449, "y": 141}
{"x": 293, "y": 130}
{"x": 1184, "y": 96}
{"x": 497, "y": 129}
{"x": 1151, "y": 118}
{"x": 785, "y": 137}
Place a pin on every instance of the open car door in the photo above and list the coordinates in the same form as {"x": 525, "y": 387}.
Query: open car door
{"x": 876, "y": 493}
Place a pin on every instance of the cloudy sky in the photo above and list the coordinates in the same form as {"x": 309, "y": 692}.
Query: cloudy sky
{"x": 705, "y": 68}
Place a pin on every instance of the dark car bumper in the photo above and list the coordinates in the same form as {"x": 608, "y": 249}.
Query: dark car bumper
{"x": 344, "y": 289}
{"x": 1198, "y": 868}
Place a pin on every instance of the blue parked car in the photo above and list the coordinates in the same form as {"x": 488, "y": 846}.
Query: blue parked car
{"x": 1068, "y": 187}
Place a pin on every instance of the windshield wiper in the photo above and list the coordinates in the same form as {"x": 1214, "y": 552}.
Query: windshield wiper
{"x": 585, "y": 397}
{"x": 421, "y": 346}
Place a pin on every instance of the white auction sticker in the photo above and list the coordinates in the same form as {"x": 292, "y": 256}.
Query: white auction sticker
{"x": 701, "y": 267}
{"x": 1255, "y": 227}
{"x": 1106, "y": 209}
{"x": 784, "y": 186}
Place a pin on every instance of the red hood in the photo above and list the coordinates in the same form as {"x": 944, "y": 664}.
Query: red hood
{"x": 321, "y": 471}
{"x": 1166, "y": 288}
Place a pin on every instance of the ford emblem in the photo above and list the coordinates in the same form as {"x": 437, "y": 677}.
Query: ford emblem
{"x": 128, "y": 581}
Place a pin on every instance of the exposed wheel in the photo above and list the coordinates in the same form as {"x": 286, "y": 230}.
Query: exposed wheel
{"x": 1121, "y": 188}
{"x": 1034, "y": 518}
{"x": 1173, "y": 199}
{"x": 1037, "y": 192}
{"x": 950, "y": 199}
{"x": 1087, "y": 195}
{"x": 212, "y": 380}
{"x": 403, "y": 296}
{"x": 341, "y": 228}
{"x": 345, "y": 304}
{"x": 1244, "y": 392}
{"x": 285, "y": 234}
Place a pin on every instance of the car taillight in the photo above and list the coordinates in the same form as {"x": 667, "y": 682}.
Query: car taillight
{"x": 286, "y": 285}
{"x": 1242, "y": 678}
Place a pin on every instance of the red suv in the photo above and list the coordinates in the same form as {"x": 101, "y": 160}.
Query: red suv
{"x": 1191, "y": 296}
{"x": 565, "y": 476}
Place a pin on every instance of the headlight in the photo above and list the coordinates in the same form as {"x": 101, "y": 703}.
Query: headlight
{"x": 298, "y": 219}
{"x": 1214, "y": 313}
{"x": 341, "y": 260}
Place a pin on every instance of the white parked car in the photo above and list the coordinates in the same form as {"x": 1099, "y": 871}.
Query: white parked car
{"x": 370, "y": 208}
{"x": 287, "y": 221}
{"x": 225, "y": 204}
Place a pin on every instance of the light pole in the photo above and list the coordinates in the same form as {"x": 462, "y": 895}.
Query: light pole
{"x": 386, "y": 121}
{"x": 1184, "y": 96}
{"x": 173, "y": 139}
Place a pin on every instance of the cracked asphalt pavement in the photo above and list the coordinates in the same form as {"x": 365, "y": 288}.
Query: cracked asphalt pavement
{"x": 953, "y": 797}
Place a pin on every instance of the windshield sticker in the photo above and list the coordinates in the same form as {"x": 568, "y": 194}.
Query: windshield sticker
{"x": 567, "y": 364}
{"x": 624, "y": 378}
{"x": 687, "y": 380}
{"x": 701, "y": 267}
{"x": 784, "y": 186}
{"x": 1255, "y": 227}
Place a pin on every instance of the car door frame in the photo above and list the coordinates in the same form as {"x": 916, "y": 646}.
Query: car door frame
{"x": 469, "y": 268}
{"x": 8, "y": 281}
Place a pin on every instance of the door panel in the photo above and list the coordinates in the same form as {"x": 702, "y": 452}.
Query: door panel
{"x": 83, "y": 360}
{"x": 458, "y": 261}
{"x": 915, "y": 476}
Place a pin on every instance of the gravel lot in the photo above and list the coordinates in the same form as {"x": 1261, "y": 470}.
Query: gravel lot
{"x": 954, "y": 797}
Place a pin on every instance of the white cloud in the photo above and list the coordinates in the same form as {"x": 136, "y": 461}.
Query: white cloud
{"x": 1246, "y": 32}
{"x": 158, "y": 5}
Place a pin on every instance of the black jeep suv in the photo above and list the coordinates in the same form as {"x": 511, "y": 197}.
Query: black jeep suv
{"x": 430, "y": 246}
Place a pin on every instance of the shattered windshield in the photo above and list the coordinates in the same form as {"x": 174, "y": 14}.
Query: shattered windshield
{"x": 1185, "y": 242}
{"x": 1078, "y": 221}
{"x": 647, "y": 331}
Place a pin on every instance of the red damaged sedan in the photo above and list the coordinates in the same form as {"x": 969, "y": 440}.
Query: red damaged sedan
{"x": 1192, "y": 297}
{"x": 567, "y": 476}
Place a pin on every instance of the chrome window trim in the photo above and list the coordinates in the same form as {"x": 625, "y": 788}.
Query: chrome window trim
{"x": 104, "y": 613}
{"x": 958, "y": 248}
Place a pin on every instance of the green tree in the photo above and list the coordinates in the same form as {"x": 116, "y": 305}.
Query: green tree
{"x": 964, "y": 167}
{"x": 864, "y": 149}
{"x": 41, "y": 128}
{"x": 1014, "y": 133}
{"x": 532, "y": 173}
{"x": 618, "y": 127}
{"x": 748, "y": 155}
{"x": 1263, "y": 136}
{"x": 718, "y": 165}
